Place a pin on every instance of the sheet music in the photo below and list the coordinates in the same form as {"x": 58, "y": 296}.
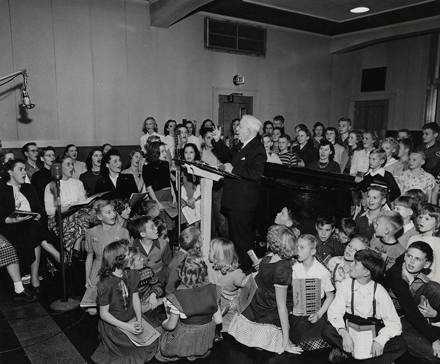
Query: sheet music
{"x": 192, "y": 215}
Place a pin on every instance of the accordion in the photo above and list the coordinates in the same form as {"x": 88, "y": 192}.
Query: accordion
{"x": 307, "y": 295}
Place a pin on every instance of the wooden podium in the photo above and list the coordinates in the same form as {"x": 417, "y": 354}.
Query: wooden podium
{"x": 207, "y": 174}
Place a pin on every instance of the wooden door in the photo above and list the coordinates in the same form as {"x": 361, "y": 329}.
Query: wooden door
{"x": 371, "y": 114}
{"x": 231, "y": 108}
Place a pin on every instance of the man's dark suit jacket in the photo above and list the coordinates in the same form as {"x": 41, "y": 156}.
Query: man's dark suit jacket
{"x": 125, "y": 186}
{"x": 248, "y": 163}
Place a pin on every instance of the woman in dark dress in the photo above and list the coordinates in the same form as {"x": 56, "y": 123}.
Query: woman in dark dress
{"x": 26, "y": 234}
{"x": 156, "y": 175}
{"x": 325, "y": 162}
{"x": 119, "y": 185}
{"x": 93, "y": 163}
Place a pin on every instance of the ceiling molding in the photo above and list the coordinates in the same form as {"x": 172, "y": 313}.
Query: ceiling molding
{"x": 164, "y": 13}
{"x": 351, "y": 41}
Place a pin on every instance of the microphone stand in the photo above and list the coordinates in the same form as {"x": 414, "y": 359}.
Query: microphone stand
{"x": 64, "y": 304}
{"x": 177, "y": 144}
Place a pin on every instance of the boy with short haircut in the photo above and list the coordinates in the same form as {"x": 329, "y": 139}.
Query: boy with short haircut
{"x": 407, "y": 208}
{"x": 302, "y": 328}
{"x": 287, "y": 157}
{"x": 408, "y": 284}
{"x": 344, "y": 127}
{"x": 326, "y": 246}
{"x": 377, "y": 174}
{"x": 155, "y": 250}
{"x": 415, "y": 177}
{"x": 362, "y": 300}
{"x": 431, "y": 148}
{"x": 386, "y": 225}
{"x": 345, "y": 230}
{"x": 376, "y": 201}
{"x": 278, "y": 122}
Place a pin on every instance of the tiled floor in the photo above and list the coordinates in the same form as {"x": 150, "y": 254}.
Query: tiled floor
{"x": 72, "y": 337}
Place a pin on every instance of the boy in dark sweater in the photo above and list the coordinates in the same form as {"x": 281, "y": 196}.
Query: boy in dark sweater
{"x": 418, "y": 298}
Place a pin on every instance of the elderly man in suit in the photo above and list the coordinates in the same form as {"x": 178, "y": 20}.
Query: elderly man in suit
{"x": 240, "y": 196}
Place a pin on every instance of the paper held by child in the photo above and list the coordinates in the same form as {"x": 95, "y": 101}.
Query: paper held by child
{"x": 192, "y": 215}
{"x": 89, "y": 298}
{"x": 246, "y": 294}
{"x": 148, "y": 336}
{"x": 362, "y": 336}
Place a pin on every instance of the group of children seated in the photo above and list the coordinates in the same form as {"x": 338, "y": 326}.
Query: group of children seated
{"x": 378, "y": 270}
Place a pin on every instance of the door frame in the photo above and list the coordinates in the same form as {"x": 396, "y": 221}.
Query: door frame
{"x": 216, "y": 92}
{"x": 374, "y": 96}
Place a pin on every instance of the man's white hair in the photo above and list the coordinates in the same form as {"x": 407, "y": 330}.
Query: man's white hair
{"x": 252, "y": 123}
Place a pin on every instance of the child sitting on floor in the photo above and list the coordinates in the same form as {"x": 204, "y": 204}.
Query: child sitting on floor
{"x": 345, "y": 230}
{"x": 306, "y": 331}
{"x": 190, "y": 242}
{"x": 428, "y": 225}
{"x": 194, "y": 312}
{"x": 339, "y": 267}
{"x": 264, "y": 323}
{"x": 363, "y": 301}
{"x": 223, "y": 270}
{"x": 328, "y": 246}
{"x": 386, "y": 225}
{"x": 119, "y": 304}
{"x": 155, "y": 250}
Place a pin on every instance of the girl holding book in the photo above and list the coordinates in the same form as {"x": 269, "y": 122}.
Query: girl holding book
{"x": 120, "y": 309}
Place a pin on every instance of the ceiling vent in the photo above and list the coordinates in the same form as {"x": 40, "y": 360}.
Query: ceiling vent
{"x": 227, "y": 36}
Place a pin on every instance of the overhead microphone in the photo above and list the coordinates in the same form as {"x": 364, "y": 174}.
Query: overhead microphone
{"x": 56, "y": 171}
{"x": 25, "y": 98}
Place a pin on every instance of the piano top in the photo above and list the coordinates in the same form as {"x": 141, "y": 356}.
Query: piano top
{"x": 307, "y": 178}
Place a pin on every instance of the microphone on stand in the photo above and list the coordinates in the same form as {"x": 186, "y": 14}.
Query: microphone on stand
{"x": 64, "y": 303}
{"x": 56, "y": 171}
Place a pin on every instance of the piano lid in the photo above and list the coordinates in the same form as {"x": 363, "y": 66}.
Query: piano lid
{"x": 307, "y": 178}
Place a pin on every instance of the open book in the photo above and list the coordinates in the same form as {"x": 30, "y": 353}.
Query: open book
{"x": 146, "y": 337}
{"x": 136, "y": 197}
{"x": 192, "y": 215}
{"x": 362, "y": 336}
{"x": 20, "y": 213}
{"x": 88, "y": 200}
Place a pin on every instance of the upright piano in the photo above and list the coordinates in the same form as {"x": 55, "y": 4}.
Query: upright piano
{"x": 308, "y": 192}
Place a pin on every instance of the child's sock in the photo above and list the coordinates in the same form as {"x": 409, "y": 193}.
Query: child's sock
{"x": 18, "y": 287}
